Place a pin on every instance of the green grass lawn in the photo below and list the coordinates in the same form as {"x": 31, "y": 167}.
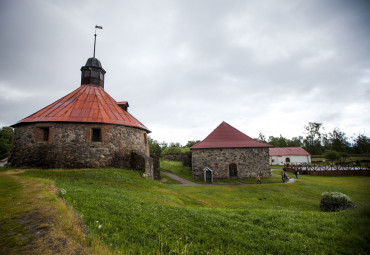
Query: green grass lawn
{"x": 133, "y": 215}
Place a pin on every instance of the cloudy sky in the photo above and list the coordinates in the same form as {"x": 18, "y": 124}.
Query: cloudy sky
{"x": 185, "y": 66}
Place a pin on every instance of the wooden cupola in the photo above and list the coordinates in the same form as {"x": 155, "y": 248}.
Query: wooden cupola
{"x": 92, "y": 73}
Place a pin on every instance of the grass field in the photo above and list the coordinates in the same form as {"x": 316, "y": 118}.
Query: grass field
{"x": 132, "y": 215}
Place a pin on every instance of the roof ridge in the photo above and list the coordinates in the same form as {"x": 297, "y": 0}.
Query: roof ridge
{"x": 227, "y": 136}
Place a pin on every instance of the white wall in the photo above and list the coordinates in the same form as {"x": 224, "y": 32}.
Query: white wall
{"x": 293, "y": 159}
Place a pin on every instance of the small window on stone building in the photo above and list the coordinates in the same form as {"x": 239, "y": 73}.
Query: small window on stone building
{"x": 45, "y": 134}
{"x": 145, "y": 138}
{"x": 96, "y": 135}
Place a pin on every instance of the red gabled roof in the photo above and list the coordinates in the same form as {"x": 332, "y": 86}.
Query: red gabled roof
{"x": 88, "y": 103}
{"x": 226, "y": 136}
{"x": 289, "y": 151}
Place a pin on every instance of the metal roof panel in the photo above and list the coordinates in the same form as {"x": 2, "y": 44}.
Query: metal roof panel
{"x": 88, "y": 103}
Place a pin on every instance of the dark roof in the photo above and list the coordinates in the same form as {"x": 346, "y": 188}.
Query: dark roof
{"x": 226, "y": 136}
{"x": 89, "y": 104}
{"x": 288, "y": 151}
{"x": 93, "y": 62}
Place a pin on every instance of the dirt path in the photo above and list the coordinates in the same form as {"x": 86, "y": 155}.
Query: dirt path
{"x": 34, "y": 221}
{"x": 182, "y": 180}
{"x": 185, "y": 182}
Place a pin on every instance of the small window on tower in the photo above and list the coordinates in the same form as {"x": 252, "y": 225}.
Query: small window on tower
{"x": 95, "y": 74}
{"x": 86, "y": 73}
{"x": 96, "y": 135}
{"x": 45, "y": 134}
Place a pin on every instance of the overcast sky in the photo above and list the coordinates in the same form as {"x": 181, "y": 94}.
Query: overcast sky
{"x": 186, "y": 66}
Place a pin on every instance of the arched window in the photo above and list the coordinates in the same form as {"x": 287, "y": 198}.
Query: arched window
{"x": 287, "y": 160}
{"x": 233, "y": 170}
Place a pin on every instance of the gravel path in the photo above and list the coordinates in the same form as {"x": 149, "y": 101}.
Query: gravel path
{"x": 182, "y": 180}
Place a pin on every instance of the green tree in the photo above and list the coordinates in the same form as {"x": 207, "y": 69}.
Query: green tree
{"x": 154, "y": 147}
{"x": 6, "y": 137}
{"x": 331, "y": 155}
{"x": 337, "y": 141}
{"x": 362, "y": 144}
{"x": 177, "y": 145}
{"x": 295, "y": 142}
{"x": 277, "y": 142}
{"x": 261, "y": 138}
{"x": 192, "y": 143}
{"x": 163, "y": 145}
{"x": 312, "y": 141}
{"x": 343, "y": 156}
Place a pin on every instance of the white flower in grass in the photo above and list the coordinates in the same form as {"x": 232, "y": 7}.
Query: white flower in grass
{"x": 63, "y": 191}
{"x": 99, "y": 227}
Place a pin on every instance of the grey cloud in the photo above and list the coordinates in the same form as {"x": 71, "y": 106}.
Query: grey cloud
{"x": 188, "y": 65}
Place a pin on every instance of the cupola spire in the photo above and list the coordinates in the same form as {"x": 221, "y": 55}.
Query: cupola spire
{"x": 93, "y": 73}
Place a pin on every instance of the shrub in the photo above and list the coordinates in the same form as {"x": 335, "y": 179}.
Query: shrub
{"x": 335, "y": 201}
{"x": 331, "y": 155}
{"x": 175, "y": 151}
{"x": 336, "y": 197}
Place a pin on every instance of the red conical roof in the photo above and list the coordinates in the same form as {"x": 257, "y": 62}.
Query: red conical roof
{"x": 88, "y": 103}
{"x": 226, "y": 136}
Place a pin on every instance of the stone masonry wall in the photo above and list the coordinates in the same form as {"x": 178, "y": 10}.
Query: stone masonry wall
{"x": 249, "y": 161}
{"x": 70, "y": 145}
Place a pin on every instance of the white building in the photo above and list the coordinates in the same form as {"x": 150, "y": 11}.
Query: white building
{"x": 3, "y": 162}
{"x": 280, "y": 156}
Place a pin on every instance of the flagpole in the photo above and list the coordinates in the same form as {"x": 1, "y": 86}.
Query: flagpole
{"x": 100, "y": 27}
{"x": 94, "y": 42}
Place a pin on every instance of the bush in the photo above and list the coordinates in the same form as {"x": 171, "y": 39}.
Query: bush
{"x": 331, "y": 155}
{"x": 175, "y": 151}
{"x": 335, "y": 201}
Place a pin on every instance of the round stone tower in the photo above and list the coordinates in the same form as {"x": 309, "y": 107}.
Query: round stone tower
{"x": 86, "y": 128}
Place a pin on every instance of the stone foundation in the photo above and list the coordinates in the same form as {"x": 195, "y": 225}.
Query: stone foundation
{"x": 71, "y": 145}
{"x": 249, "y": 161}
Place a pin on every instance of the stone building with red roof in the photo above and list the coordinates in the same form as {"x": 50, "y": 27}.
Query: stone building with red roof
{"x": 230, "y": 154}
{"x": 86, "y": 128}
{"x": 295, "y": 155}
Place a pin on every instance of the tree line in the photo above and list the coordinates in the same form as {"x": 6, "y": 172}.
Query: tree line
{"x": 315, "y": 141}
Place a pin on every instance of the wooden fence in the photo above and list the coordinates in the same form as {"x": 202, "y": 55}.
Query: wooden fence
{"x": 342, "y": 169}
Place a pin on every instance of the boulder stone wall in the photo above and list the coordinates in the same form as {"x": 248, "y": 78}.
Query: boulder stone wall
{"x": 249, "y": 162}
{"x": 71, "y": 145}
